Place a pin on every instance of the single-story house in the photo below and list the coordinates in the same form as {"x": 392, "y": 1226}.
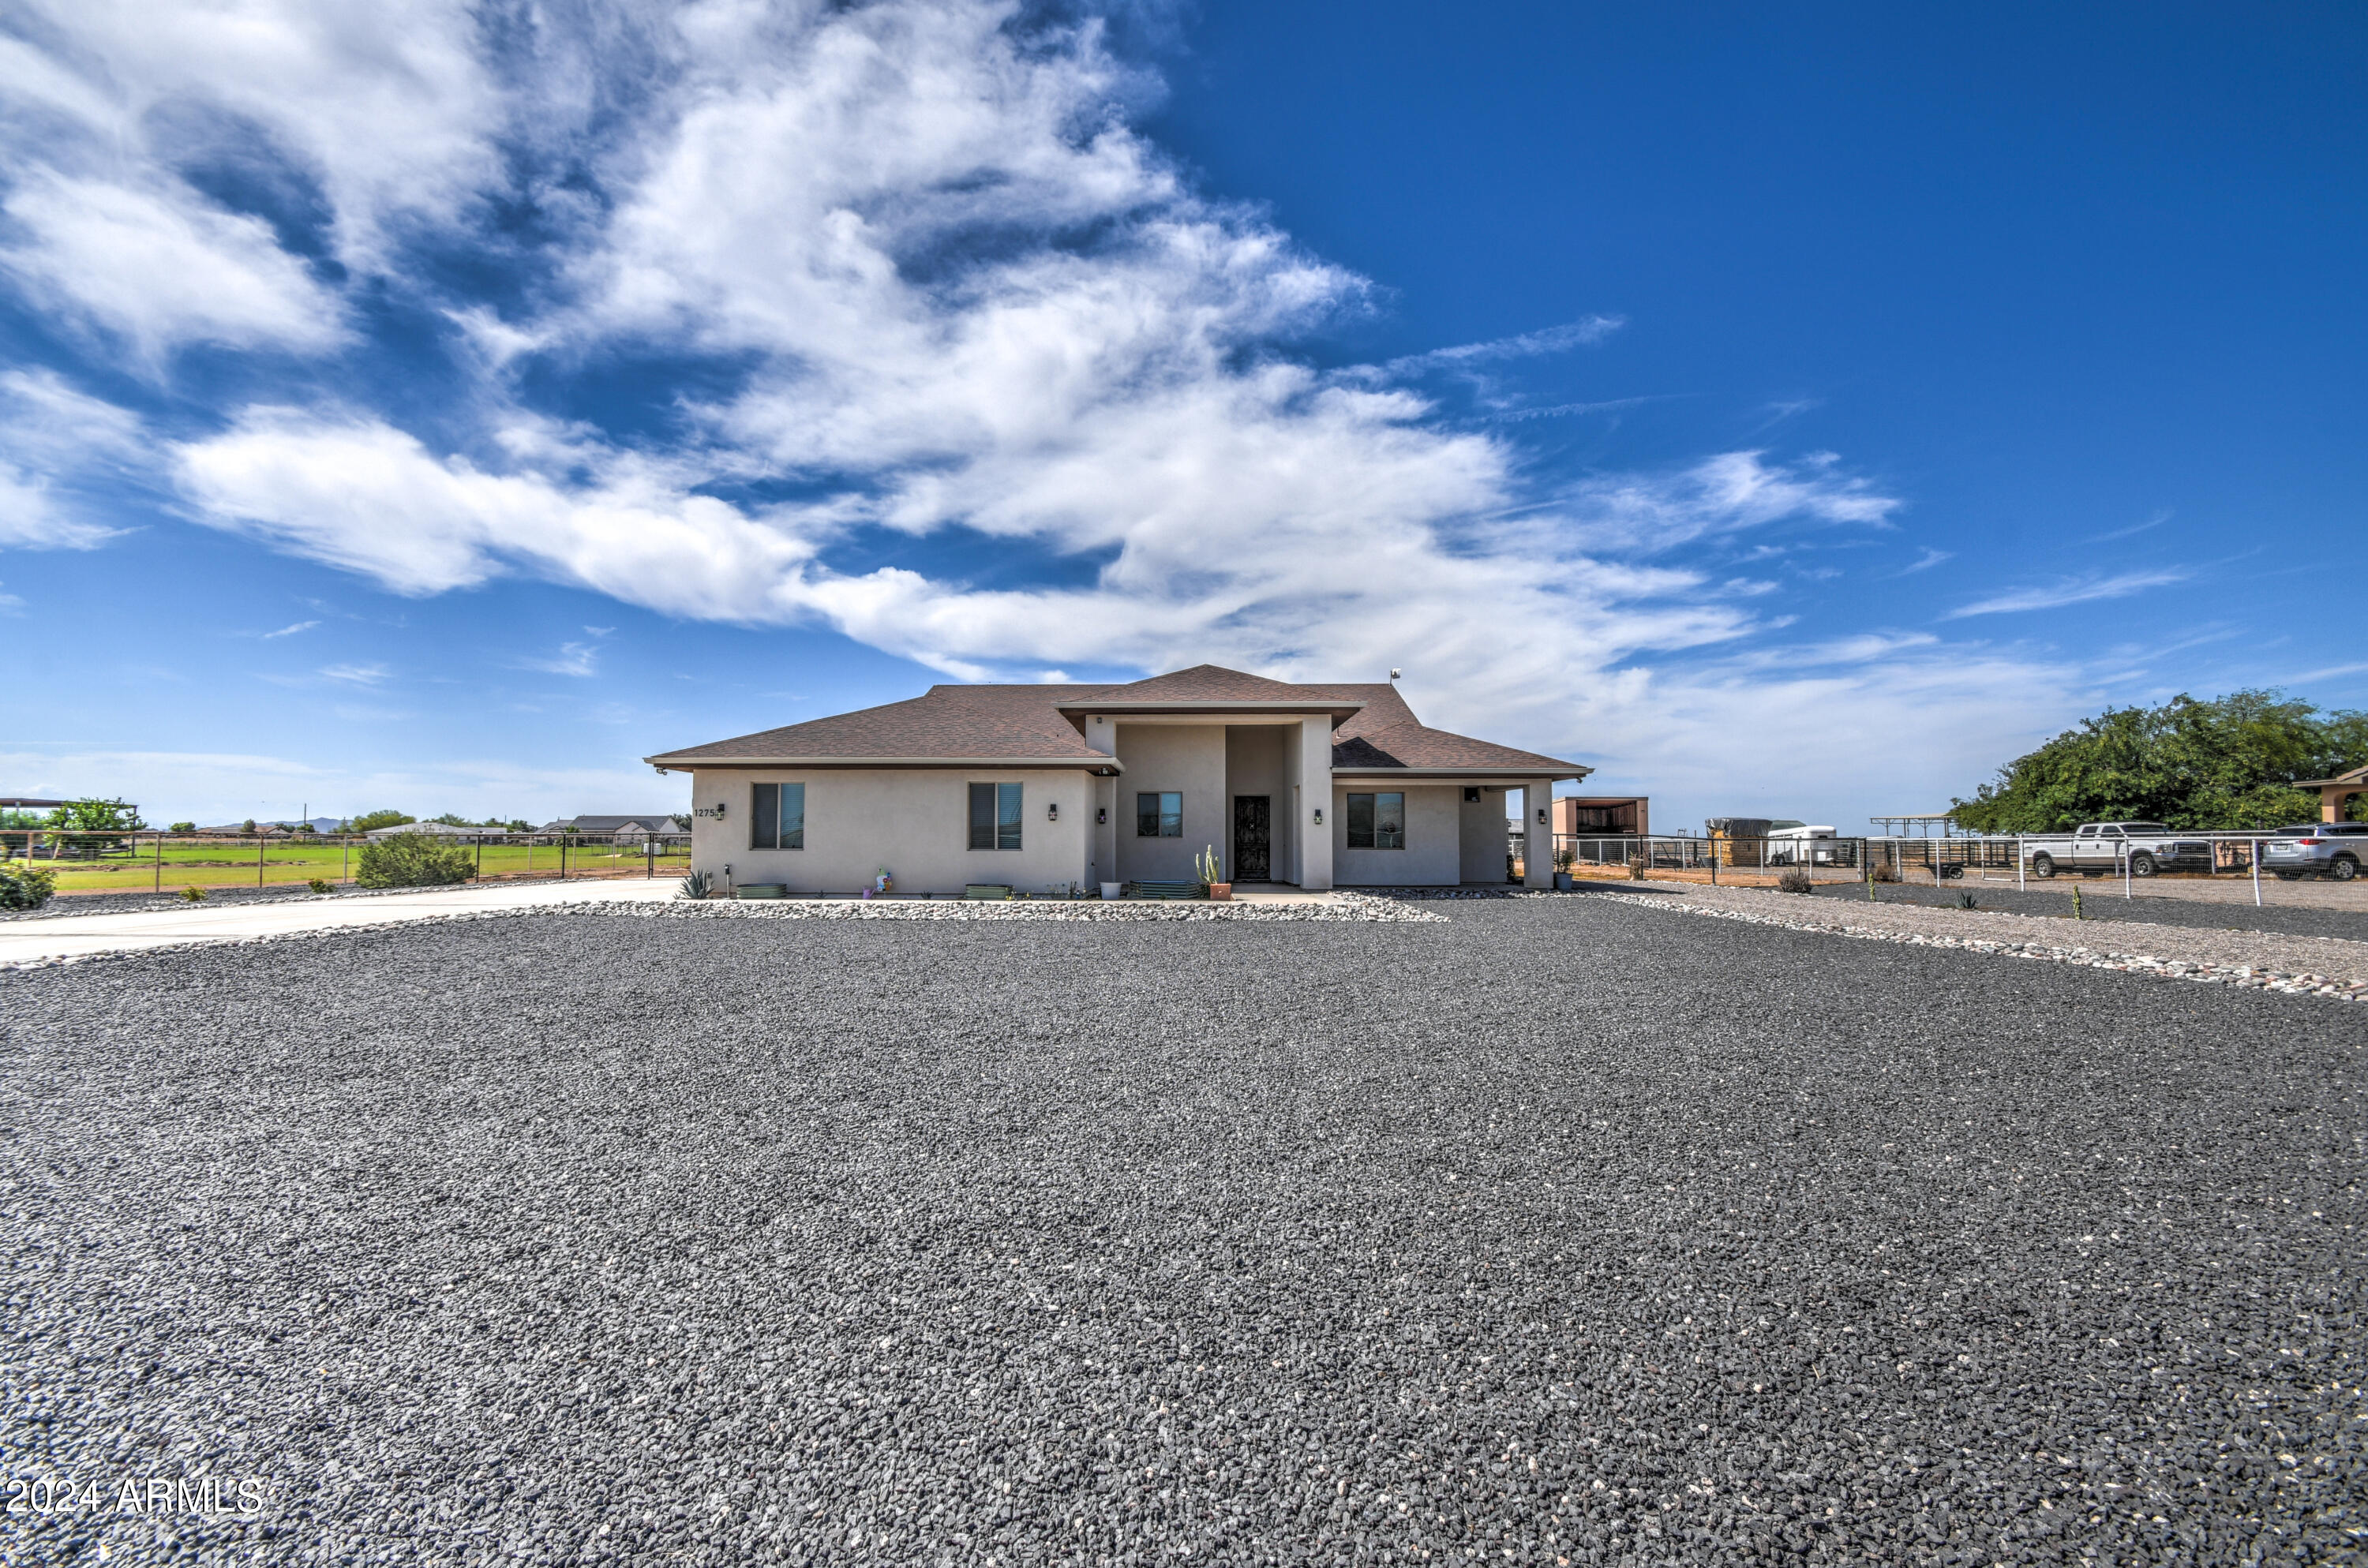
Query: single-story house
{"x": 621, "y": 829}
{"x": 1051, "y": 785}
{"x": 456, "y": 831}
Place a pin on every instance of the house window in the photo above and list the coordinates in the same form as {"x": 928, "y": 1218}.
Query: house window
{"x": 1159, "y": 814}
{"x": 1377, "y": 821}
{"x": 994, "y": 816}
{"x": 777, "y": 816}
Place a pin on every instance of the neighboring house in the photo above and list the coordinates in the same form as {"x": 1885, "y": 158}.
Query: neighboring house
{"x": 1038, "y": 786}
{"x": 1589, "y": 816}
{"x": 2335, "y": 794}
{"x": 258, "y": 830}
{"x": 621, "y": 830}
{"x": 458, "y": 834}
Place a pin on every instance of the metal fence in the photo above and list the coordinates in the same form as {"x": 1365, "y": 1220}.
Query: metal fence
{"x": 1764, "y": 860}
{"x": 150, "y": 861}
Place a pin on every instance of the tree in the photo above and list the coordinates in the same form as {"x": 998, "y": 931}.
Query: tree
{"x": 96, "y": 816}
{"x": 371, "y": 822}
{"x": 412, "y": 860}
{"x": 453, "y": 819}
{"x": 2227, "y": 763}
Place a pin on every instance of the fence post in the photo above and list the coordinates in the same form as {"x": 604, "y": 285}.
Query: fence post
{"x": 259, "y": 842}
{"x": 2019, "y": 883}
{"x": 345, "y": 856}
{"x": 160, "y": 862}
{"x": 562, "y": 857}
{"x": 650, "y": 859}
{"x": 2253, "y": 853}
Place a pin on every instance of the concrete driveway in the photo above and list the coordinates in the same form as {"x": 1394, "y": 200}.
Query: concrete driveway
{"x": 83, "y": 936}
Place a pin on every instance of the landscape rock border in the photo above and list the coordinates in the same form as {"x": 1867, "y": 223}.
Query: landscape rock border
{"x": 1352, "y": 908}
{"x": 2244, "y": 977}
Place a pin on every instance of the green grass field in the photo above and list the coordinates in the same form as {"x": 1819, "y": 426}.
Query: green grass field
{"x": 282, "y": 862}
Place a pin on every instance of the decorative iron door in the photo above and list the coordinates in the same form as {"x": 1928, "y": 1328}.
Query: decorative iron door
{"x": 1250, "y": 832}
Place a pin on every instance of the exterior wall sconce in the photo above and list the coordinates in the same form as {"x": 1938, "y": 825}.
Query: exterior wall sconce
{"x": 1319, "y": 817}
{"x": 1541, "y": 816}
{"x": 1053, "y": 812}
{"x": 1101, "y": 816}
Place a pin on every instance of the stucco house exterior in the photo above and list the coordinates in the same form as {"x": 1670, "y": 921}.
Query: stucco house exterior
{"x": 1047, "y": 785}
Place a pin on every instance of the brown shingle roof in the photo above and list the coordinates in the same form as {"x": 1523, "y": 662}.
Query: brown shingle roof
{"x": 989, "y": 722}
{"x": 1420, "y": 746}
{"x": 949, "y": 722}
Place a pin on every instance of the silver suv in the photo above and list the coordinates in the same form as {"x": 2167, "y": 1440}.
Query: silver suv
{"x": 2323, "y": 848}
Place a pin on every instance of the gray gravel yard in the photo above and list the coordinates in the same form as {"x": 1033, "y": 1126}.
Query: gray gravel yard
{"x": 1559, "y": 1230}
{"x": 2104, "y": 901}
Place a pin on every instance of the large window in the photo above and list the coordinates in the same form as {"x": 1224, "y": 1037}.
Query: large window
{"x": 994, "y": 816}
{"x": 1377, "y": 821}
{"x": 1159, "y": 814}
{"x": 777, "y": 817}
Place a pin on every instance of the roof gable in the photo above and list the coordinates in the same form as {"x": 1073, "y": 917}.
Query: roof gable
{"x": 1212, "y": 683}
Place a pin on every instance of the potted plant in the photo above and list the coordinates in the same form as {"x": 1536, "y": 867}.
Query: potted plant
{"x": 885, "y": 881}
{"x": 1564, "y": 858}
{"x": 1208, "y": 869}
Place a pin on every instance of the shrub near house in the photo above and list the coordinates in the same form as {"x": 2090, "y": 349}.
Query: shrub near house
{"x": 412, "y": 861}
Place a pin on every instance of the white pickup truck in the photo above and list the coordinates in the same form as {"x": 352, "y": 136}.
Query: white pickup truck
{"x": 2099, "y": 849}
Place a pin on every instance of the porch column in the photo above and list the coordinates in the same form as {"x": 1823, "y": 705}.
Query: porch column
{"x": 1537, "y": 823}
{"x": 1314, "y": 837}
{"x": 1101, "y": 734}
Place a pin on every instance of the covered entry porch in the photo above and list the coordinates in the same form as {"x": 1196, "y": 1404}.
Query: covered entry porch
{"x": 1401, "y": 828}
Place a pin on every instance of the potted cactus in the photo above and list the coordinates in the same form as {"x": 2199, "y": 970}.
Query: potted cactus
{"x": 1208, "y": 869}
{"x": 1564, "y": 858}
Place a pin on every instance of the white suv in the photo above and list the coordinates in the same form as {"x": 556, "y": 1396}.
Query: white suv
{"x": 2323, "y": 848}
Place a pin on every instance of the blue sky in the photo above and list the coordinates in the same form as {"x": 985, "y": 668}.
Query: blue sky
{"x": 1790, "y": 410}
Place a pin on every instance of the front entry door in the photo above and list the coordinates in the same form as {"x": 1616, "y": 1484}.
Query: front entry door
{"x": 1250, "y": 831}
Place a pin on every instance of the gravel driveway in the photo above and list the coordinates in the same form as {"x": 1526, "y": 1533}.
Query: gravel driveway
{"x": 1558, "y": 1230}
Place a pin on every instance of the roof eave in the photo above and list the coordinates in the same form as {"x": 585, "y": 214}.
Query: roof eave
{"x": 1555, "y": 770}
{"x": 1338, "y": 709}
{"x": 1096, "y": 763}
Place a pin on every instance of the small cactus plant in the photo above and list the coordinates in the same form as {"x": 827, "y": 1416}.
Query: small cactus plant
{"x": 698, "y": 884}
{"x": 1206, "y": 867}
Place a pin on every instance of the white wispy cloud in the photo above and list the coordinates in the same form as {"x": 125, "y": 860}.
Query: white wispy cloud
{"x": 291, "y": 631}
{"x": 356, "y": 675}
{"x": 2154, "y": 522}
{"x": 573, "y": 659}
{"x": 1926, "y": 559}
{"x": 163, "y": 268}
{"x": 1523, "y": 346}
{"x": 2070, "y": 591}
{"x": 51, "y": 434}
